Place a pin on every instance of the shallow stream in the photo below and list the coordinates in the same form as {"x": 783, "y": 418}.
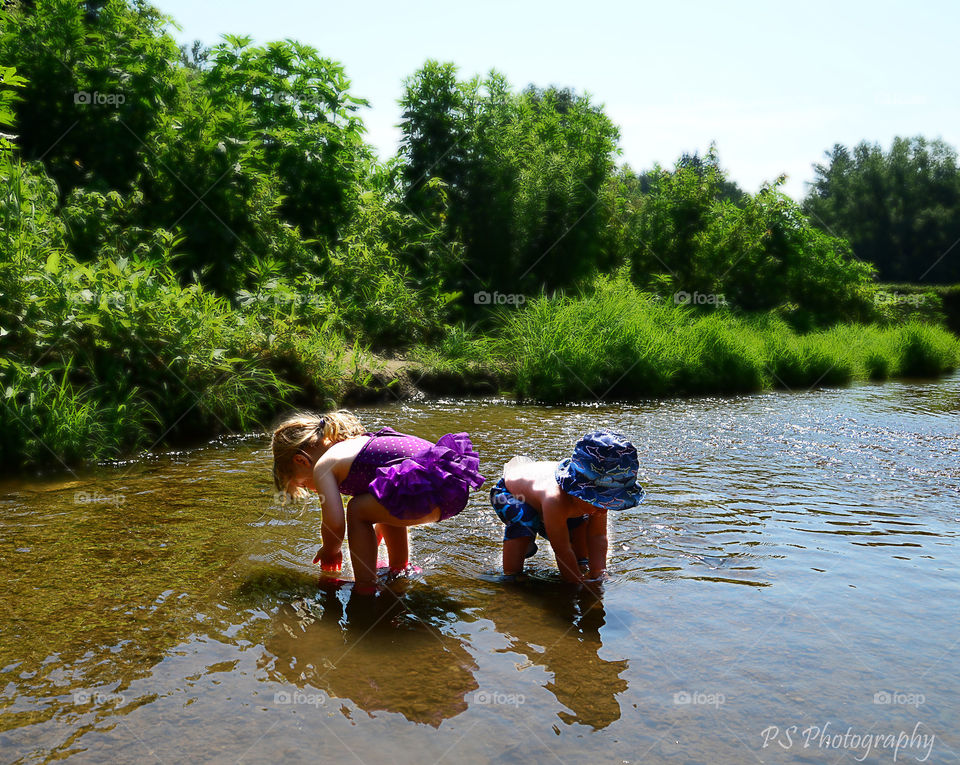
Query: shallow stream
{"x": 788, "y": 592}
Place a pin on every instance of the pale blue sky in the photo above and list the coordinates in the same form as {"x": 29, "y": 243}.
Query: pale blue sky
{"x": 775, "y": 84}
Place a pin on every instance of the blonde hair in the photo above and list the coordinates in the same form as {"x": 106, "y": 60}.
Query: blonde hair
{"x": 304, "y": 431}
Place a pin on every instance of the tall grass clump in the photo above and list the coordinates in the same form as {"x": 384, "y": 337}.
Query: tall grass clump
{"x": 118, "y": 356}
{"x": 47, "y": 419}
{"x": 461, "y": 351}
{"x": 926, "y": 350}
{"x": 606, "y": 345}
{"x": 718, "y": 354}
{"x": 805, "y": 360}
{"x": 619, "y": 343}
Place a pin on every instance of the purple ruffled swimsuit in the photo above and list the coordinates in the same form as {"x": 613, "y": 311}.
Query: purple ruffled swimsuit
{"x": 410, "y": 476}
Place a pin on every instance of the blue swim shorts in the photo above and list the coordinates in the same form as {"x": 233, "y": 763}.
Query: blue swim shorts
{"x": 521, "y": 519}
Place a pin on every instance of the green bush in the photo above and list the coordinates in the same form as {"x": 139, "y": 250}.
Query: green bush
{"x": 686, "y": 232}
{"x": 100, "y": 358}
{"x": 938, "y": 303}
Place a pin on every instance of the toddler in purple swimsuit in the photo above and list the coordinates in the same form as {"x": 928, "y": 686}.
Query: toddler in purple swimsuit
{"x": 395, "y": 481}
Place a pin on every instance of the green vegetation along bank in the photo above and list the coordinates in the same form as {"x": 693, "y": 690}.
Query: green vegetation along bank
{"x": 193, "y": 241}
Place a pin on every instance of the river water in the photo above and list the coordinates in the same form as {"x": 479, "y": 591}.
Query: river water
{"x": 788, "y": 592}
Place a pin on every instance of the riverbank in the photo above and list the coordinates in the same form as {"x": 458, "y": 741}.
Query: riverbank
{"x": 120, "y": 360}
{"x": 135, "y": 318}
{"x": 777, "y": 361}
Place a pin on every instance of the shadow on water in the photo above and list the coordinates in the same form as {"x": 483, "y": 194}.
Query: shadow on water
{"x": 400, "y": 651}
{"x": 390, "y": 653}
{"x": 557, "y": 626}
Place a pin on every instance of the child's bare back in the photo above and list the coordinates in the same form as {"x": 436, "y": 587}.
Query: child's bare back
{"x": 534, "y": 483}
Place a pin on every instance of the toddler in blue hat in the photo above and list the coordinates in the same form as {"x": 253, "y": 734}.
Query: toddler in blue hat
{"x": 567, "y": 503}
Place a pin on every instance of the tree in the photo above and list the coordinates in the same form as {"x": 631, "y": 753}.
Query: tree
{"x": 259, "y": 156}
{"x": 99, "y": 75}
{"x": 690, "y": 232}
{"x": 522, "y": 174}
{"x": 900, "y": 210}
{"x": 306, "y": 123}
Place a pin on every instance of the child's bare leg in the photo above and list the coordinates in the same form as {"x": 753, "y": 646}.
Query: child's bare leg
{"x": 398, "y": 545}
{"x": 514, "y": 554}
{"x": 362, "y": 513}
{"x": 378, "y": 529}
{"x": 363, "y": 545}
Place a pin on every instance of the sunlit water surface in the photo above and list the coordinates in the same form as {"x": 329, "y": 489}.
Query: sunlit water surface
{"x": 788, "y": 592}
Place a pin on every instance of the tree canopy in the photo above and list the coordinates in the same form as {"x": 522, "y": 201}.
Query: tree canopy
{"x": 899, "y": 209}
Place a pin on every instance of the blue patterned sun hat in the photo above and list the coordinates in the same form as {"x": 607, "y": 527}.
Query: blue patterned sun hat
{"x": 602, "y": 471}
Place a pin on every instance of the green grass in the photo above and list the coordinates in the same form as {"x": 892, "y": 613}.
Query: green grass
{"x": 623, "y": 344}
{"x": 930, "y": 302}
{"x": 460, "y": 351}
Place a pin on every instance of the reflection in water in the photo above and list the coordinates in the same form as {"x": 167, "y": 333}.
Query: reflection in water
{"x": 558, "y": 627}
{"x": 391, "y": 653}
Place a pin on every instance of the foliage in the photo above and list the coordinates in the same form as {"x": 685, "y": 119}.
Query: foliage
{"x": 9, "y": 79}
{"x": 99, "y": 75}
{"x": 685, "y": 233}
{"x": 618, "y": 343}
{"x": 193, "y": 240}
{"x": 102, "y": 358}
{"x": 938, "y": 303}
{"x": 464, "y": 353}
{"x": 522, "y": 171}
{"x": 305, "y": 126}
{"x": 900, "y": 209}
{"x": 201, "y": 178}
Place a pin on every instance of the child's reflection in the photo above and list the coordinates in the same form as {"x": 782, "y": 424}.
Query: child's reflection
{"x": 559, "y": 629}
{"x": 387, "y": 653}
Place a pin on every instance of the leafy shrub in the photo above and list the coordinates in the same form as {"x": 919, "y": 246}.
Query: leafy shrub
{"x": 686, "y": 232}
{"x": 104, "y": 354}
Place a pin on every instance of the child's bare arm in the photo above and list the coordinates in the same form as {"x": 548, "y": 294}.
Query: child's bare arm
{"x": 555, "y": 522}
{"x": 597, "y": 544}
{"x": 332, "y": 522}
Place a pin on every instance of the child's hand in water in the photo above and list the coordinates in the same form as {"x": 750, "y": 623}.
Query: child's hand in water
{"x": 327, "y": 561}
